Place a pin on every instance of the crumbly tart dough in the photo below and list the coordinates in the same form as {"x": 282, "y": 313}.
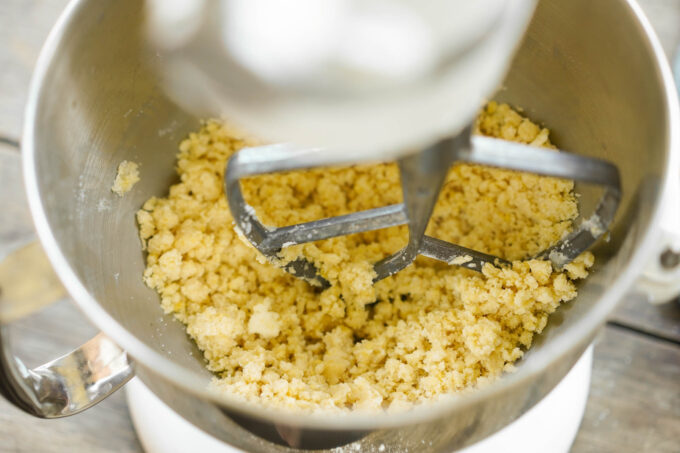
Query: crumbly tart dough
{"x": 427, "y": 331}
{"x": 126, "y": 177}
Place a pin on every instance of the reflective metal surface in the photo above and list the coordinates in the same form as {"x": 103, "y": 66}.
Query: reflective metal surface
{"x": 69, "y": 384}
{"x": 591, "y": 71}
{"x": 422, "y": 176}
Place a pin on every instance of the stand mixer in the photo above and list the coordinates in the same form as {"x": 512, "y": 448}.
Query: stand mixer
{"x": 99, "y": 97}
{"x": 366, "y": 81}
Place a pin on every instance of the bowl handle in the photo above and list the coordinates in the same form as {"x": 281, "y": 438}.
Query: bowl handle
{"x": 69, "y": 384}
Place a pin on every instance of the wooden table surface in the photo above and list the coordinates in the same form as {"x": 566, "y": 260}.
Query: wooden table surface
{"x": 634, "y": 402}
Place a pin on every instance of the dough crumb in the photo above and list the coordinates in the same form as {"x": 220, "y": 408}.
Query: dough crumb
{"x": 264, "y": 322}
{"x": 127, "y": 176}
{"x": 460, "y": 260}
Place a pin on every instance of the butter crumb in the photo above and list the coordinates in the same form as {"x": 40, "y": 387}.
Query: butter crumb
{"x": 126, "y": 177}
{"x": 264, "y": 322}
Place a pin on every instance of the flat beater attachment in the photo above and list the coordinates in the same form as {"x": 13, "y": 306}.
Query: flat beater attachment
{"x": 422, "y": 177}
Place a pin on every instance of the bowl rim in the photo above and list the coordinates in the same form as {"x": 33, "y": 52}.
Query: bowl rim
{"x": 188, "y": 380}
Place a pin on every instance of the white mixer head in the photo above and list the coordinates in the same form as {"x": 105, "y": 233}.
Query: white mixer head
{"x": 372, "y": 78}
{"x": 360, "y": 81}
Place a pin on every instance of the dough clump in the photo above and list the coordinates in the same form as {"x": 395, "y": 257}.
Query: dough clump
{"x": 126, "y": 177}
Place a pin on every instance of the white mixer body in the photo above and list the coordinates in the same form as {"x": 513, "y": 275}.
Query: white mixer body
{"x": 371, "y": 78}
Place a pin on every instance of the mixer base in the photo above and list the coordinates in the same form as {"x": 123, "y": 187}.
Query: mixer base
{"x": 551, "y": 425}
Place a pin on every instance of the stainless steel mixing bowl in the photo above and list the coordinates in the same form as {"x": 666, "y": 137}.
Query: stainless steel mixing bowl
{"x": 591, "y": 70}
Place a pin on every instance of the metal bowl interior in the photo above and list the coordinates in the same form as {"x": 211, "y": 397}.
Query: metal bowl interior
{"x": 591, "y": 71}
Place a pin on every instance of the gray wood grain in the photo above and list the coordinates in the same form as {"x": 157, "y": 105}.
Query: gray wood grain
{"x": 659, "y": 320}
{"x": 664, "y": 15}
{"x": 24, "y": 25}
{"x": 634, "y": 401}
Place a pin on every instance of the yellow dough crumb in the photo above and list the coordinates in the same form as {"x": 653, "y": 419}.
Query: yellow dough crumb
{"x": 429, "y": 330}
{"x": 127, "y": 176}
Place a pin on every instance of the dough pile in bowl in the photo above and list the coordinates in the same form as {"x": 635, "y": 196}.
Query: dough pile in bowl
{"x": 429, "y": 330}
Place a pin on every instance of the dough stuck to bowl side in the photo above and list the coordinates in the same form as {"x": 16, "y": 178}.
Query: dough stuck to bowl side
{"x": 126, "y": 177}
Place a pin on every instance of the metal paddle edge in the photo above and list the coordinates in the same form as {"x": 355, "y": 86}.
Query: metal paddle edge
{"x": 464, "y": 148}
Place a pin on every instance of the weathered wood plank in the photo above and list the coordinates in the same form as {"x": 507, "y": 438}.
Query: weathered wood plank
{"x": 24, "y": 25}
{"x": 100, "y": 430}
{"x": 16, "y": 225}
{"x": 664, "y": 15}
{"x": 634, "y": 401}
{"x": 660, "y": 320}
